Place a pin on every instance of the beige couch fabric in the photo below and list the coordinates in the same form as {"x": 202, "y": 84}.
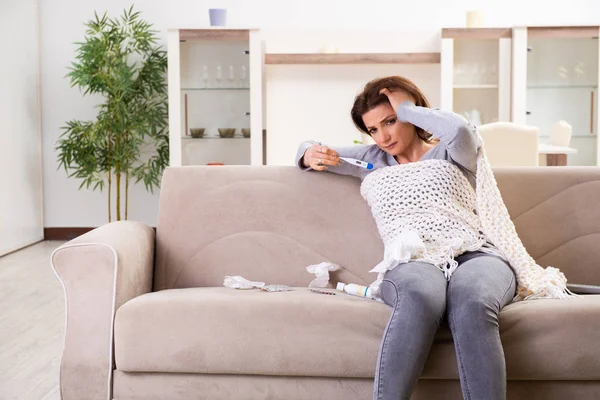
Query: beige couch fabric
{"x": 301, "y": 333}
{"x": 156, "y": 386}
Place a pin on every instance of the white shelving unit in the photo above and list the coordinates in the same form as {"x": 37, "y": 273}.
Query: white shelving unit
{"x": 476, "y": 72}
{"x": 215, "y": 81}
{"x": 555, "y": 77}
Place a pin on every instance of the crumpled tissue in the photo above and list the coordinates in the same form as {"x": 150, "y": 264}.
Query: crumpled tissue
{"x": 322, "y": 272}
{"x": 404, "y": 246}
{"x": 239, "y": 282}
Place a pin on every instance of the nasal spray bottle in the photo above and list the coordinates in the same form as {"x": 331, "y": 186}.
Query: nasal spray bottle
{"x": 355, "y": 290}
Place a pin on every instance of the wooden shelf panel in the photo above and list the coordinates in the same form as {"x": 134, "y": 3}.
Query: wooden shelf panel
{"x": 563, "y": 31}
{"x": 476, "y": 86}
{"x": 353, "y": 58}
{"x": 476, "y": 33}
{"x": 214, "y": 34}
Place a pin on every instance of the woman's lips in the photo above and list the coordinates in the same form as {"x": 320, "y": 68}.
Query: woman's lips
{"x": 390, "y": 146}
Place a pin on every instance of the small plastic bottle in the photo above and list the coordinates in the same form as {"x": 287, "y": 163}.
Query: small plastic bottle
{"x": 354, "y": 289}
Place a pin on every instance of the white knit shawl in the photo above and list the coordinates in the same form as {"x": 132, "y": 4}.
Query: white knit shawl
{"x": 428, "y": 211}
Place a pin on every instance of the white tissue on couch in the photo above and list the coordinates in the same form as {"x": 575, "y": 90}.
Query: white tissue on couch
{"x": 239, "y": 282}
{"x": 322, "y": 272}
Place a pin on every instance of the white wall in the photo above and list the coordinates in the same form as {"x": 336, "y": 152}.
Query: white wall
{"x": 21, "y": 205}
{"x": 62, "y": 24}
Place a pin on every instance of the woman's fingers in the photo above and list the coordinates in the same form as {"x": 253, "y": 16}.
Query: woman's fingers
{"x": 394, "y": 98}
{"x": 319, "y": 157}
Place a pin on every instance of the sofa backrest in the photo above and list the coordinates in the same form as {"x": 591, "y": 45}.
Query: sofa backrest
{"x": 268, "y": 223}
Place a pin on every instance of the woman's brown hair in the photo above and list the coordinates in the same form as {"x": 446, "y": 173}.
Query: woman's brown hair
{"x": 370, "y": 98}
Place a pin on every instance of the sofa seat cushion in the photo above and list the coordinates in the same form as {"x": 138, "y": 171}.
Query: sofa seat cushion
{"x": 222, "y": 330}
{"x": 301, "y": 333}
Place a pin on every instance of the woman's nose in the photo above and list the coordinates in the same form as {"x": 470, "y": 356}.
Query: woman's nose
{"x": 386, "y": 133}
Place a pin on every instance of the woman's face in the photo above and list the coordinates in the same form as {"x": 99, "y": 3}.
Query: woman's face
{"x": 391, "y": 135}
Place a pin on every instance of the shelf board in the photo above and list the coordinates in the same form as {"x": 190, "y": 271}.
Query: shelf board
{"x": 475, "y": 86}
{"x": 233, "y": 89}
{"x": 575, "y": 135}
{"x": 353, "y": 58}
{"x": 563, "y": 31}
{"x": 476, "y": 33}
{"x": 591, "y": 87}
{"x": 213, "y": 137}
{"x": 214, "y": 34}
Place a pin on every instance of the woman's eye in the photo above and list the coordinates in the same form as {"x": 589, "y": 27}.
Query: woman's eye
{"x": 372, "y": 131}
{"x": 391, "y": 121}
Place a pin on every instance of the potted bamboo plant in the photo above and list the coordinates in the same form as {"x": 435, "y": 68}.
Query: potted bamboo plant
{"x": 120, "y": 62}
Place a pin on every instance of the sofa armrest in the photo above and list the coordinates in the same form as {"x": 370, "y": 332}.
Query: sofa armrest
{"x": 99, "y": 271}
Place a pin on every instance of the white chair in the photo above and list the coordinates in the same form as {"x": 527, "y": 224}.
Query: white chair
{"x": 560, "y": 134}
{"x": 510, "y": 144}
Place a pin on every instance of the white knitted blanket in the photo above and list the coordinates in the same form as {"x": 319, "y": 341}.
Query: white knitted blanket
{"x": 428, "y": 211}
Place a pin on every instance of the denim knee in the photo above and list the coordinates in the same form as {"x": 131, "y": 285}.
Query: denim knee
{"x": 417, "y": 296}
{"x": 468, "y": 309}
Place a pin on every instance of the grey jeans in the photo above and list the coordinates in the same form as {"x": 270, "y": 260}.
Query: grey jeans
{"x": 470, "y": 301}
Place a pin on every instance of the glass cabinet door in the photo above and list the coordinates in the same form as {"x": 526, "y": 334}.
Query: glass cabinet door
{"x": 562, "y": 85}
{"x": 475, "y": 79}
{"x": 215, "y": 102}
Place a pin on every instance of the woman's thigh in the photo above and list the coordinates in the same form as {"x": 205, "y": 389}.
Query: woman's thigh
{"x": 415, "y": 279}
{"x": 482, "y": 279}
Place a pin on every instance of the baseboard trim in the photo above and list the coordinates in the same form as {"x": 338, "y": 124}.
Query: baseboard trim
{"x": 66, "y": 233}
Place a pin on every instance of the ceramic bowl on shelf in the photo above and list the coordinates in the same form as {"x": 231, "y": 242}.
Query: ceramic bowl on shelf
{"x": 226, "y": 132}
{"x": 246, "y": 132}
{"x": 197, "y": 132}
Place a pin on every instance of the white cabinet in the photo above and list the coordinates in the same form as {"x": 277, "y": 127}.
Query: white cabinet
{"x": 476, "y": 73}
{"x": 556, "y": 78}
{"x": 215, "y": 96}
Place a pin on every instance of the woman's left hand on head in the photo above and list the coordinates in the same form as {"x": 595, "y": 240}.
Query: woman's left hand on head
{"x": 396, "y": 97}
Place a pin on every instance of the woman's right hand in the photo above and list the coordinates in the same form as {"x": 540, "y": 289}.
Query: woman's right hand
{"x": 319, "y": 157}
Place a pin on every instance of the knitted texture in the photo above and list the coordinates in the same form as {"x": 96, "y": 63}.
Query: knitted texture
{"x": 434, "y": 199}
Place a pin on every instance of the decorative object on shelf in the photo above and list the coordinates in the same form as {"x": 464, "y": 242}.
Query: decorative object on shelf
{"x": 205, "y": 75}
{"x": 579, "y": 68}
{"x": 118, "y": 62}
{"x": 226, "y": 132}
{"x": 459, "y": 73}
{"x": 328, "y": 49}
{"x": 217, "y": 16}
{"x": 563, "y": 72}
{"x": 474, "y": 116}
{"x": 475, "y": 19}
{"x": 243, "y": 75}
{"x": 231, "y": 75}
{"x": 197, "y": 132}
{"x": 246, "y": 132}
{"x": 219, "y": 75}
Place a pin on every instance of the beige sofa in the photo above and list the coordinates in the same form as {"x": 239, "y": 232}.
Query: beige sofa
{"x": 148, "y": 316}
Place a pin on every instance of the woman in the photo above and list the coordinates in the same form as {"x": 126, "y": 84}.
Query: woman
{"x": 470, "y": 287}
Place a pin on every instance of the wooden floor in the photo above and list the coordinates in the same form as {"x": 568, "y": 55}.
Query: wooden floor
{"x": 32, "y": 323}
